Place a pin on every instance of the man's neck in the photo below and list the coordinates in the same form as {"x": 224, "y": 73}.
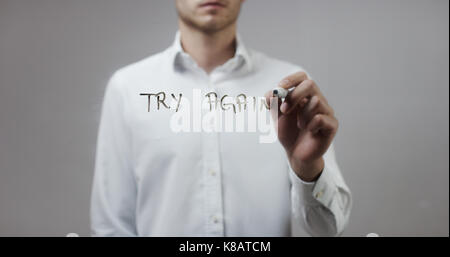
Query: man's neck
{"x": 209, "y": 50}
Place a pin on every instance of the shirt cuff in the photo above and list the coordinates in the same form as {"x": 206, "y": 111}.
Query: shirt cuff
{"x": 321, "y": 191}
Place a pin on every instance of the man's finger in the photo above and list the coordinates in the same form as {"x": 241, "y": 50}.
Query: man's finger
{"x": 293, "y": 80}
{"x": 314, "y": 106}
{"x": 306, "y": 89}
{"x": 324, "y": 124}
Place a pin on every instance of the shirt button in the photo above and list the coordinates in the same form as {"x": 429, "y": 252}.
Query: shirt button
{"x": 211, "y": 126}
{"x": 319, "y": 194}
{"x": 212, "y": 172}
{"x": 215, "y": 220}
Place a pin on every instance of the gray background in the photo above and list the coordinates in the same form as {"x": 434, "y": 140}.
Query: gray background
{"x": 383, "y": 64}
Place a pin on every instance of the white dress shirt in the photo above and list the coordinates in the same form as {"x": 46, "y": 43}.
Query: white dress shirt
{"x": 150, "y": 181}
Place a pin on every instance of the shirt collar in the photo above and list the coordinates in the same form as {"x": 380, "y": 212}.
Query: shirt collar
{"x": 179, "y": 57}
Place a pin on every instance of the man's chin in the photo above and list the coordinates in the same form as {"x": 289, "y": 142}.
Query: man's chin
{"x": 210, "y": 27}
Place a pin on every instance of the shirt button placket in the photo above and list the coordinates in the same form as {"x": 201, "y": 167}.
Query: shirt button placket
{"x": 213, "y": 182}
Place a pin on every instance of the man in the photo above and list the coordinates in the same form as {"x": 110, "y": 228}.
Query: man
{"x": 150, "y": 181}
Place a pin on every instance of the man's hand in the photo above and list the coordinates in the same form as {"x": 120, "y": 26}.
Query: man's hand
{"x": 306, "y": 125}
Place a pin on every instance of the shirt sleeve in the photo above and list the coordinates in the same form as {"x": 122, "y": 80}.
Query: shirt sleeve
{"x": 322, "y": 207}
{"x": 114, "y": 187}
